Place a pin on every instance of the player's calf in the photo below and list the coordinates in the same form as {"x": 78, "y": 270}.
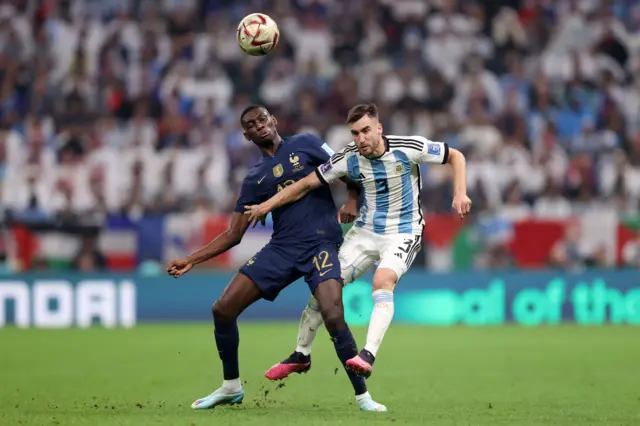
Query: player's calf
{"x": 300, "y": 360}
{"x": 384, "y": 281}
{"x": 329, "y": 297}
{"x": 236, "y": 297}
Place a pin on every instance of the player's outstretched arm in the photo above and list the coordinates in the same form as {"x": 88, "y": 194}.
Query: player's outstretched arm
{"x": 223, "y": 242}
{"x": 288, "y": 195}
{"x": 461, "y": 202}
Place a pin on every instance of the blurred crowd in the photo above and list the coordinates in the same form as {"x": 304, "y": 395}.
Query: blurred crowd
{"x": 132, "y": 105}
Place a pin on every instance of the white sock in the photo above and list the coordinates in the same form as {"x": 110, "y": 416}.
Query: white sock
{"x": 234, "y": 385}
{"x": 380, "y": 319}
{"x": 309, "y": 323}
{"x": 363, "y": 396}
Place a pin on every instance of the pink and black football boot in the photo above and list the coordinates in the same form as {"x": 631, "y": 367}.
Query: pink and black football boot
{"x": 296, "y": 363}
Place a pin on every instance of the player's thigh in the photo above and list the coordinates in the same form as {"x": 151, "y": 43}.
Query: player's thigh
{"x": 320, "y": 264}
{"x": 397, "y": 253}
{"x": 239, "y": 294}
{"x": 328, "y": 293}
{"x": 357, "y": 254}
{"x": 272, "y": 269}
{"x": 323, "y": 276}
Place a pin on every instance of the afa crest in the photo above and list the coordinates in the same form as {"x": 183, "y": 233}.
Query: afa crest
{"x": 399, "y": 168}
{"x": 295, "y": 162}
{"x": 278, "y": 170}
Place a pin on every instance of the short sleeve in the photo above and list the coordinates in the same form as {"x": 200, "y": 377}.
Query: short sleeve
{"x": 421, "y": 149}
{"x": 319, "y": 150}
{"x": 248, "y": 196}
{"x": 336, "y": 167}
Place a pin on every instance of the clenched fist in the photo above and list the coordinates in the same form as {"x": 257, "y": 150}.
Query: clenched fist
{"x": 179, "y": 267}
{"x": 462, "y": 205}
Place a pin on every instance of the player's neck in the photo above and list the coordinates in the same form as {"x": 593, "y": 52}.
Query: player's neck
{"x": 380, "y": 149}
{"x": 273, "y": 147}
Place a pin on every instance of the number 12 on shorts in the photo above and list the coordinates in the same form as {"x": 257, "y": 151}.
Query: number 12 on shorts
{"x": 321, "y": 260}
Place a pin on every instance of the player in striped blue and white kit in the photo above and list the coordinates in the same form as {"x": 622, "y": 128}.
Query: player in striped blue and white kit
{"x": 388, "y": 230}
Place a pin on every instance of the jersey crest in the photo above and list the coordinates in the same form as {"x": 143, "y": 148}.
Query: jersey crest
{"x": 295, "y": 162}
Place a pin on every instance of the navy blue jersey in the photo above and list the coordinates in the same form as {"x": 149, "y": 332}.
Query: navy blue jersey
{"x": 312, "y": 218}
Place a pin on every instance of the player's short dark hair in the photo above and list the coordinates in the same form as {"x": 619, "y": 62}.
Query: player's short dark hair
{"x": 359, "y": 111}
{"x": 249, "y": 109}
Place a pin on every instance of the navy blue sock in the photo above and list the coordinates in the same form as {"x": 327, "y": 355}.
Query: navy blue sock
{"x": 346, "y": 349}
{"x": 228, "y": 340}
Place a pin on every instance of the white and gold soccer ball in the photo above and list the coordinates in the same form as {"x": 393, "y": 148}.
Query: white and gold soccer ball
{"x": 258, "y": 34}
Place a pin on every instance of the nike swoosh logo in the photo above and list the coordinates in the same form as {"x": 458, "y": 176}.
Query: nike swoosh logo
{"x": 260, "y": 181}
{"x": 322, "y": 274}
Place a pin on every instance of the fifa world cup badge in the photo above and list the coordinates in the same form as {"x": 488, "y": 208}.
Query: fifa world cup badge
{"x": 433, "y": 149}
{"x": 325, "y": 167}
{"x": 278, "y": 170}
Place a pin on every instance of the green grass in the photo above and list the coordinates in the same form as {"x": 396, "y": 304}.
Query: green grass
{"x": 149, "y": 375}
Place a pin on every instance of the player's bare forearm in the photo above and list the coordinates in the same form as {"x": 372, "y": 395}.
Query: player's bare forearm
{"x": 459, "y": 166}
{"x": 223, "y": 242}
{"x": 349, "y": 210}
{"x": 293, "y": 192}
{"x": 353, "y": 188}
{"x": 461, "y": 202}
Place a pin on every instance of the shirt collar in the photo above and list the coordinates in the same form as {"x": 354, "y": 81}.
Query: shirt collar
{"x": 264, "y": 154}
{"x": 386, "y": 147}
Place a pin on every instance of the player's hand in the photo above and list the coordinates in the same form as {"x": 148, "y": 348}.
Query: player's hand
{"x": 349, "y": 211}
{"x": 179, "y": 267}
{"x": 256, "y": 214}
{"x": 462, "y": 205}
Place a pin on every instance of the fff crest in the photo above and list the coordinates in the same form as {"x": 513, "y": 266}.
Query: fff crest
{"x": 295, "y": 162}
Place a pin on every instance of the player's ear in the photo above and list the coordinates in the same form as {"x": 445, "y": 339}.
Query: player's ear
{"x": 273, "y": 119}
{"x": 246, "y": 136}
{"x": 379, "y": 128}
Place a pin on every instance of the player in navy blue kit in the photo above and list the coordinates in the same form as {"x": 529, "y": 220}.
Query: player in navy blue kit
{"x": 304, "y": 244}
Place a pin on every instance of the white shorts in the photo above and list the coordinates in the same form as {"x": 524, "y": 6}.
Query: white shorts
{"x": 362, "y": 249}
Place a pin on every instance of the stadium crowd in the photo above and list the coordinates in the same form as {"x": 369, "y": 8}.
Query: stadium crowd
{"x": 132, "y": 105}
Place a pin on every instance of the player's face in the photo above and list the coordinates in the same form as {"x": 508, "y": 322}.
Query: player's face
{"x": 367, "y": 134}
{"x": 260, "y": 126}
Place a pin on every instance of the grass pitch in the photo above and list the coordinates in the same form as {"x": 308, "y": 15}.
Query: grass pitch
{"x": 149, "y": 375}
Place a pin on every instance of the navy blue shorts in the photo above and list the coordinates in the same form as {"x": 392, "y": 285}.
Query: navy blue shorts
{"x": 277, "y": 265}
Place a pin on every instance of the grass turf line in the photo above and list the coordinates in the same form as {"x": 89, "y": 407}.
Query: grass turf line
{"x": 149, "y": 375}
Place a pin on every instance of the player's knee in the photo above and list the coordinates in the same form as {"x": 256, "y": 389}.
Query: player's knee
{"x": 333, "y": 317}
{"x": 349, "y": 273}
{"x": 385, "y": 279}
{"x": 313, "y": 305}
{"x": 223, "y": 311}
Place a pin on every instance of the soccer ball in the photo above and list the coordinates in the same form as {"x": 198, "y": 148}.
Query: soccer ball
{"x": 258, "y": 34}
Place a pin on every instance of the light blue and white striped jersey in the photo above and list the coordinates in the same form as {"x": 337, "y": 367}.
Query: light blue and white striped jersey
{"x": 391, "y": 182}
